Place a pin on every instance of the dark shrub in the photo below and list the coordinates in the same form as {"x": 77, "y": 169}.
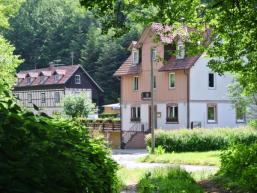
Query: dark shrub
{"x": 202, "y": 139}
{"x": 43, "y": 155}
{"x": 239, "y": 167}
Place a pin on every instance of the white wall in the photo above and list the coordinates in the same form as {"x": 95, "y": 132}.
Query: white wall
{"x": 182, "y": 115}
{"x": 199, "y": 89}
{"x": 226, "y": 116}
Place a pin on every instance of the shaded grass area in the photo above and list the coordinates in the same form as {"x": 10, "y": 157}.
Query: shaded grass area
{"x": 130, "y": 176}
{"x": 210, "y": 158}
{"x": 168, "y": 180}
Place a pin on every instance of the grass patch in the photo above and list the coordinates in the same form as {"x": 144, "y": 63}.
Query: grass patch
{"x": 210, "y": 158}
{"x": 130, "y": 176}
{"x": 168, "y": 180}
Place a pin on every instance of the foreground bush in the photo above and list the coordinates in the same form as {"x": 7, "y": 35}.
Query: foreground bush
{"x": 239, "y": 167}
{"x": 185, "y": 140}
{"x": 172, "y": 180}
{"x": 40, "y": 154}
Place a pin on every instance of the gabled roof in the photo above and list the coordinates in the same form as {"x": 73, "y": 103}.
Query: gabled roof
{"x": 128, "y": 68}
{"x": 65, "y": 72}
{"x": 179, "y": 64}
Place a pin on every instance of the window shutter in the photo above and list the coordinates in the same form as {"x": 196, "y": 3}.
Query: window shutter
{"x": 140, "y": 55}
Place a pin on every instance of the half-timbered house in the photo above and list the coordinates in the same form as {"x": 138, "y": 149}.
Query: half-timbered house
{"x": 46, "y": 87}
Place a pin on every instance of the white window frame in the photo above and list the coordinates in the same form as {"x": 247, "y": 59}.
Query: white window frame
{"x": 135, "y": 83}
{"x": 29, "y": 95}
{"x": 172, "y": 107}
{"x": 77, "y": 79}
{"x": 214, "y": 80}
{"x": 135, "y": 56}
{"x": 57, "y": 97}
{"x": 153, "y": 54}
{"x": 243, "y": 120}
{"x": 137, "y": 113}
{"x": 29, "y": 80}
{"x": 174, "y": 74}
{"x": 43, "y": 97}
{"x": 215, "y": 120}
{"x": 57, "y": 77}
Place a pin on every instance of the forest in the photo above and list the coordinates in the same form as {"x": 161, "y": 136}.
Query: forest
{"x": 60, "y": 31}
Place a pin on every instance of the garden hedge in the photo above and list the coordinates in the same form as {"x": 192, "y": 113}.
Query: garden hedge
{"x": 45, "y": 155}
{"x": 185, "y": 140}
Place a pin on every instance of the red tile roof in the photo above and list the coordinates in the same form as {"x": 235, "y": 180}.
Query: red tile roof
{"x": 179, "y": 64}
{"x": 128, "y": 68}
{"x": 65, "y": 73}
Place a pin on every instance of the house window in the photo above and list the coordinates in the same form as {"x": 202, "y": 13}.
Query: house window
{"x": 153, "y": 54}
{"x": 211, "y": 79}
{"x": 57, "y": 77}
{"x": 135, "y": 56}
{"x": 43, "y": 97}
{"x": 180, "y": 52}
{"x": 57, "y": 97}
{"x": 29, "y": 98}
{"x": 154, "y": 82}
{"x": 135, "y": 114}
{"x": 135, "y": 83}
{"x": 212, "y": 113}
{"x": 77, "y": 79}
{"x": 240, "y": 115}
{"x": 172, "y": 113}
{"x": 28, "y": 80}
{"x": 171, "y": 80}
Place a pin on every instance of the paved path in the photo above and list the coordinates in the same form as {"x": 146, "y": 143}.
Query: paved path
{"x": 128, "y": 159}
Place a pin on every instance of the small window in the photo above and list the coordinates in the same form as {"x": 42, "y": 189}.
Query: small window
{"x": 211, "y": 79}
{"x": 28, "y": 80}
{"x": 135, "y": 56}
{"x": 153, "y": 54}
{"x": 171, "y": 80}
{"x": 57, "y": 77}
{"x": 77, "y": 79}
{"x": 43, "y": 97}
{"x": 57, "y": 97}
{"x": 172, "y": 113}
{"x": 240, "y": 115}
{"x": 212, "y": 113}
{"x": 29, "y": 98}
{"x": 135, "y": 114}
{"x": 180, "y": 52}
{"x": 135, "y": 83}
{"x": 154, "y": 82}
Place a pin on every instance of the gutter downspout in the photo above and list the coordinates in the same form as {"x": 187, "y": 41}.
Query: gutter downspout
{"x": 187, "y": 72}
{"x": 121, "y": 146}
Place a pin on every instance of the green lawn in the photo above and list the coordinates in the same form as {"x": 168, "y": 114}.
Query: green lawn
{"x": 210, "y": 158}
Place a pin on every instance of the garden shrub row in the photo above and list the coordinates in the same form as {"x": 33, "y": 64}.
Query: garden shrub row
{"x": 42, "y": 154}
{"x": 108, "y": 115}
{"x": 239, "y": 168}
{"x": 185, "y": 140}
{"x": 168, "y": 180}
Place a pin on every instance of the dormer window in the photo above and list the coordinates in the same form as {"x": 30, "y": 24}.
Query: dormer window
{"x": 135, "y": 56}
{"x": 29, "y": 80}
{"x": 77, "y": 79}
{"x": 57, "y": 77}
{"x": 153, "y": 54}
{"x": 180, "y": 50}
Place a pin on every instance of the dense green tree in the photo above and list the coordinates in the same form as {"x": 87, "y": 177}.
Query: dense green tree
{"x": 78, "y": 105}
{"x": 44, "y": 31}
{"x": 8, "y": 61}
